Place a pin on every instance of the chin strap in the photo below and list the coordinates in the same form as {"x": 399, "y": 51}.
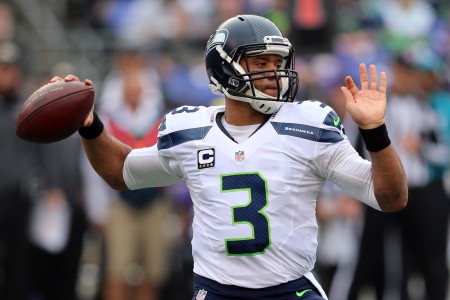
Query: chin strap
{"x": 266, "y": 107}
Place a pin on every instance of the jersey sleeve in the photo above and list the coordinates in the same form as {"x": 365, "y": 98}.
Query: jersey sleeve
{"x": 341, "y": 164}
{"x": 336, "y": 160}
{"x": 145, "y": 167}
{"x": 158, "y": 165}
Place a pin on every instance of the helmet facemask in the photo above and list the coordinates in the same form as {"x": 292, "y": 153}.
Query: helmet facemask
{"x": 241, "y": 86}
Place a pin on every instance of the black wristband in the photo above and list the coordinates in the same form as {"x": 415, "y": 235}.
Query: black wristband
{"x": 93, "y": 131}
{"x": 375, "y": 139}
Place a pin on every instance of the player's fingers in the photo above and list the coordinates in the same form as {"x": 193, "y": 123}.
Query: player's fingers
{"x": 373, "y": 77}
{"x": 347, "y": 94}
{"x": 88, "y": 82}
{"x": 364, "y": 77}
{"x": 383, "y": 82}
{"x": 55, "y": 79}
{"x": 351, "y": 86}
{"x": 90, "y": 118}
{"x": 71, "y": 77}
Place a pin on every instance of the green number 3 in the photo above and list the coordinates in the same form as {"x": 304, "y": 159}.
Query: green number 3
{"x": 251, "y": 213}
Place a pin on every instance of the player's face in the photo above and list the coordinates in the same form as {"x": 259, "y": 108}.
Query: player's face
{"x": 266, "y": 62}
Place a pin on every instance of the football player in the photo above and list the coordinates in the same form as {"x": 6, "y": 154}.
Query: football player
{"x": 255, "y": 166}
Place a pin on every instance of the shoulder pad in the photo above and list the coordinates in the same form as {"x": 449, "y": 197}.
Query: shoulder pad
{"x": 185, "y": 124}
{"x": 309, "y": 119}
{"x": 183, "y": 117}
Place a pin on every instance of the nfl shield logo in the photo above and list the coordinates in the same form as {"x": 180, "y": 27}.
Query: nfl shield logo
{"x": 201, "y": 295}
{"x": 239, "y": 156}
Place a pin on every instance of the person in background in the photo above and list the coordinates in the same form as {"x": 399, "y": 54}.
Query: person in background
{"x": 420, "y": 128}
{"x": 404, "y": 22}
{"x": 133, "y": 222}
{"x": 42, "y": 219}
{"x": 17, "y": 181}
{"x": 57, "y": 221}
{"x": 397, "y": 248}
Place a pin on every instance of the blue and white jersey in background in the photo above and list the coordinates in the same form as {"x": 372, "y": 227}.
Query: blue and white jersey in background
{"x": 255, "y": 221}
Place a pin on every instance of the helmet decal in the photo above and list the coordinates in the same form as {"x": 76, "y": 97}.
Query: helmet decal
{"x": 218, "y": 38}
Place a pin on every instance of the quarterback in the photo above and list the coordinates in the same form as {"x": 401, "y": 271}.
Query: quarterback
{"x": 254, "y": 167}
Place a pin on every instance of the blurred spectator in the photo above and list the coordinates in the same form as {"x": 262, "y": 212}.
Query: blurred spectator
{"x": 312, "y": 25}
{"x": 227, "y": 9}
{"x": 415, "y": 133}
{"x": 197, "y": 19}
{"x": 363, "y": 45}
{"x": 397, "y": 248}
{"x": 57, "y": 222}
{"x": 352, "y": 15}
{"x": 137, "y": 246}
{"x": 433, "y": 85}
{"x": 276, "y": 10}
{"x": 42, "y": 221}
{"x": 7, "y": 24}
{"x": 376, "y": 271}
{"x": 430, "y": 261}
{"x": 438, "y": 40}
{"x": 191, "y": 74}
{"x": 152, "y": 23}
{"x": 404, "y": 22}
{"x": 17, "y": 180}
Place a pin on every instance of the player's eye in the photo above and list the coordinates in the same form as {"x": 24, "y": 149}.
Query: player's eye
{"x": 260, "y": 64}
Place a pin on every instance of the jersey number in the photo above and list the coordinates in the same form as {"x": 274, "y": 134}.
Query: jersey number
{"x": 186, "y": 109}
{"x": 251, "y": 213}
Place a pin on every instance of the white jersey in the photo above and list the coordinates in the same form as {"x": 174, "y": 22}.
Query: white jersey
{"x": 254, "y": 203}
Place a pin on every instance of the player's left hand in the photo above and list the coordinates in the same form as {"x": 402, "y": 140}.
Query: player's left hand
{"x": 367, "y": 105}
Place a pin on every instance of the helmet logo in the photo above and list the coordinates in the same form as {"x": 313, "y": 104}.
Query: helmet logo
{"x": 219, "y": 37}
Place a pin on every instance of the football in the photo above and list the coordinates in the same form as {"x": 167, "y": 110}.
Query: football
{"x": 55, "y": 111}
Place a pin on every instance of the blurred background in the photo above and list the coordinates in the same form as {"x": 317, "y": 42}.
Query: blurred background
{"x": 65, "y": 235}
